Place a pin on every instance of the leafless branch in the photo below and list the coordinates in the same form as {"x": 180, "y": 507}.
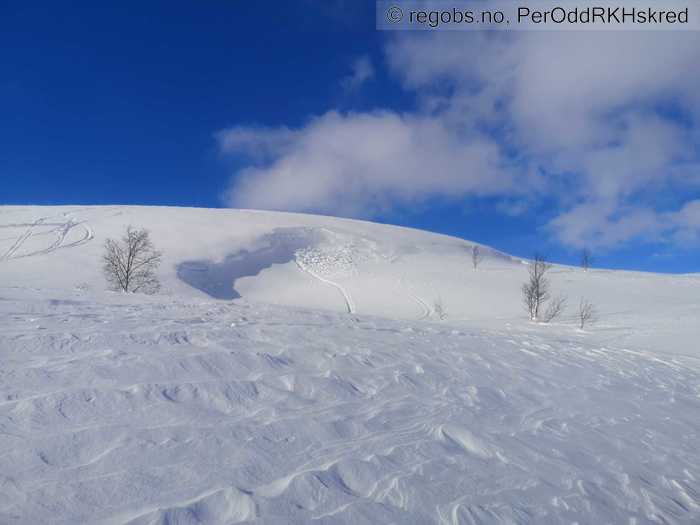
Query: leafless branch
{"x": 477, "y": 256}
{"x": 130, "y": 264}
{"x": 586, "y": 313}
{"x": 554, "y": 309}
{"x": 586, "y": 259}
{"x": 536, "y": 290}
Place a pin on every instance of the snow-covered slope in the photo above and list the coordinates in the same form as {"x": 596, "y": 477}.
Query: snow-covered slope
{"x": 293, "y": 370}
{"x": 290, "y": 259}
{"x": 332, "y": 264}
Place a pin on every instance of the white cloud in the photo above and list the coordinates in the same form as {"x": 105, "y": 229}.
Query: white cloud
{"x": 602, "y": 122}
{"x": 686, "y": 223}
{"x": 557, "y": 89}
{"x": 689, "y": 215}
{"x": 362, "y": 71}
{"x": 598, "y": 112}
{"x": 259, "y": 143}
{"x": 602, "y": 225}
{"x": 359, "y": 164}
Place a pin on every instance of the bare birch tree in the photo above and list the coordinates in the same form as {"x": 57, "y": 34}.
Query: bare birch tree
{"x": 130, "y": 264}
{"x": 586, "y": 259}
{"x": 536, "y": 290}
{"x": 477, "y": 256}
{"x": 586, "y": 313}
{"x": 555, "y": 308}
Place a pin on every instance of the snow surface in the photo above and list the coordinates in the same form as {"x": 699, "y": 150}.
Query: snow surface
{"x": 293, "y": 370}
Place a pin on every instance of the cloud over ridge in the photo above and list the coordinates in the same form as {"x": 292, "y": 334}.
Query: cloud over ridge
{"x": 359, "y": 164}
{"x": 601, "y": 124}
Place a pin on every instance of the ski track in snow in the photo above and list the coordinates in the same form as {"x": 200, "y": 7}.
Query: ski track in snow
{"x": 338, "y": 258}
{"x": 426, "y": 311}
{"x": 21, "y": 239}
{"x": 163, "y": 411}
{"x": 349, "y": 303}
{"x": 60, "y": 230}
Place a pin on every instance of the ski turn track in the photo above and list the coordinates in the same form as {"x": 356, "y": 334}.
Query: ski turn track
{"x": 61, "y": 231}
{"x": 349, "y": 303}
{"x": 425, "y": 308}
{"x": 21, "y": 239}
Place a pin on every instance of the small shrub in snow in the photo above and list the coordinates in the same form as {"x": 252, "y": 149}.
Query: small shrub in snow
{"x": 477, "y": 256}
{"x": 554, "y": 309}
{"x": 439, "y": 309}
{"x": 586, "y": 259}
{"x": 586, "y": 313}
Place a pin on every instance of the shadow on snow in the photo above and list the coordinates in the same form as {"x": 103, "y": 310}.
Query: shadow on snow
{"x": 218, "y": 279}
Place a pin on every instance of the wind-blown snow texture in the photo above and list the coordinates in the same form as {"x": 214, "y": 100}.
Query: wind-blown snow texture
{"x": 344, "y": 402}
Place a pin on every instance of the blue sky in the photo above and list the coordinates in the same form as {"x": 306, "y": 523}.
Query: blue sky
{"x": 524, "y": 142}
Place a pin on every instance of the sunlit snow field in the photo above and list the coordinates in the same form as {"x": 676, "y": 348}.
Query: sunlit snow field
{"x": 293, "y": 370}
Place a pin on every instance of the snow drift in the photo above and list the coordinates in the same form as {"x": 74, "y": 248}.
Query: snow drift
{"x": 293, "y": 370}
